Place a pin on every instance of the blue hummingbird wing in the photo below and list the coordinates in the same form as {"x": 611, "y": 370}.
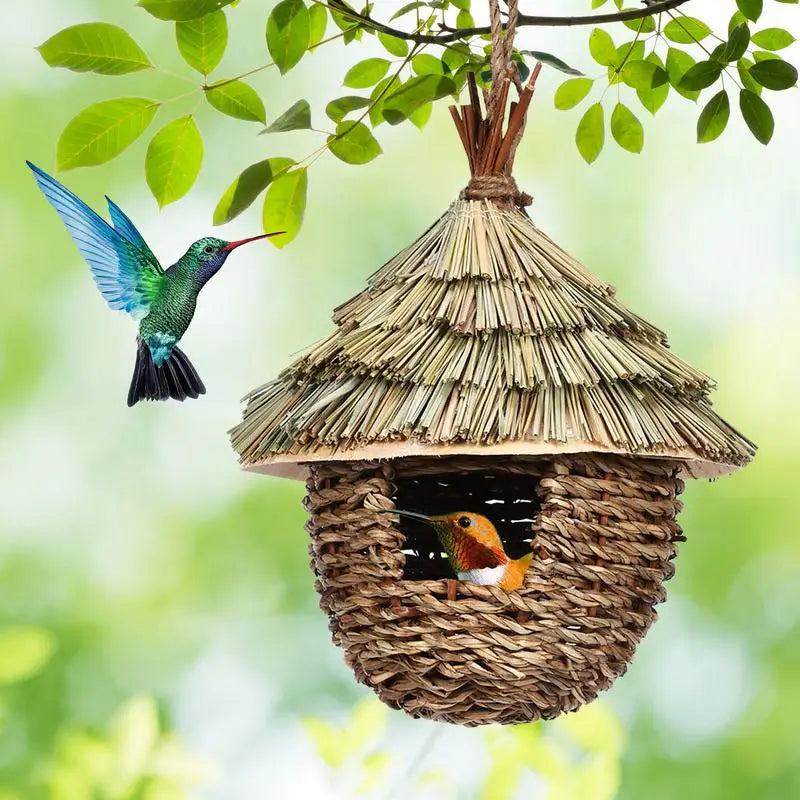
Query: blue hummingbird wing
{"x": 126, "y": 228}
{"x": 128, "y": 276}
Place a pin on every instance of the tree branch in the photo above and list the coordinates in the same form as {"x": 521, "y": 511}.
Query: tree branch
{"x": 525, "y": 20}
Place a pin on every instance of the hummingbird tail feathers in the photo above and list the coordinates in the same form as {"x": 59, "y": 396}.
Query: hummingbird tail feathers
{"x": 175, "y": 378}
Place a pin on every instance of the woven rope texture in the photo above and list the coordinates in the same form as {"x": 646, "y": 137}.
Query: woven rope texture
{"x": 604, "y": 541}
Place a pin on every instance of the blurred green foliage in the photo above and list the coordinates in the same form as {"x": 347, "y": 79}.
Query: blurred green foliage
{"x": 142, "y": 575}
{"x": 573, "y": 758}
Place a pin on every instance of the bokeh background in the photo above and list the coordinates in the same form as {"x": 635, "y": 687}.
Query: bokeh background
{"x": 159, "y": 631}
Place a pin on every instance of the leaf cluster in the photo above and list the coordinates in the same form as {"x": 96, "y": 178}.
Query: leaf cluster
{"x": 668, "y": 53}
{"x": 681, "y": 55}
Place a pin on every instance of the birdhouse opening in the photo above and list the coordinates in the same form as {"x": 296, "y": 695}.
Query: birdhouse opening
{"x": 510, "y": 502}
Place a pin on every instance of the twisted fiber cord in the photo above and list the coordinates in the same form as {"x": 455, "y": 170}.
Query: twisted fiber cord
{"x": 500, "y": 188}
{"x": 511, "y": 28}
{"x": 495, "y": 187}
{"x": 604, "y": 543}
{"x": 502, "y": 48}
{"x": 498, "y": 58}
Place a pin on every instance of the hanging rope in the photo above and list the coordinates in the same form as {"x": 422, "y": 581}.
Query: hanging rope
{"x": 489, "y": 150}
{"x": 498, "y": 62}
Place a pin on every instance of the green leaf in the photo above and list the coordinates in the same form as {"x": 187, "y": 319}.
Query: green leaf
{"x": 629, "y": 51}
{"x": 249, "y": 185}
{"x": 377, "y": 98}
{"x": 686, "y": 30}
{"x": 464, "y": 20}
{"x": 366, "y": 73}
{"x": 551, "y": 61}
{"x": 24, "y": 652}
{"x": 173, "y": 160}
{"x": 317, "y": 24}
{"x": 601, "y": 47}
{"x": 288, "y": 33}
{"x": 397, "y": 47}
{"x": 413, "y": 94}
{"x": 285, "y": 205}
{"x": 590, "y": 134}
{"x": 94, "y": 47}
{"x": 765, "y": 55}
{"x": 407, "y": 8}
{"x": 425, "y": 64}
{"x": 737, "y": 44}
{"x": 626, "y": 129}
{"x": 236, "y": 99}
{"x": 571, "y": 92}
{"x": 202, "y": 41}
{"x": 774, "y": 74}
{"x": 751, "y": 8}
{"x": 773, "y": 38}
{"x": 677, "y": 64}
{"x": 296, "y": 118}
{"x": 737, "y": 19}
{"x": 353, "y": 143}
{"x": 456, "y": 56}
{"x": 104, "y": 130}
{"x": 182, "y": 9}
{"x": 757, "y": 115}
{"x": 421, "y": 116}
{"x": 743, "y": 67}
{"x": 653, "y": 99}
{"x": 339, "y": 108}
{"x": 701, "y": 75}
{"x": 644, "y": 25}
{"x": 714, "y": 117}
{"x": 643, "y": 75}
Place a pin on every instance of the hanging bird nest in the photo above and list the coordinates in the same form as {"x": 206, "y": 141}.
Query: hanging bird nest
{"x": 485, "y": 369}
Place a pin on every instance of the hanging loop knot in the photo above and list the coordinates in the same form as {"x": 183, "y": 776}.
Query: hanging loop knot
{"x": 496, "y": 187}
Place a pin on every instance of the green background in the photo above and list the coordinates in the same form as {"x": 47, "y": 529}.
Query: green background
{"x": 159, "y": 631}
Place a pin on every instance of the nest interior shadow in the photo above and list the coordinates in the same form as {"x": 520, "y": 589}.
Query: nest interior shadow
{"x": 509, "y": 501}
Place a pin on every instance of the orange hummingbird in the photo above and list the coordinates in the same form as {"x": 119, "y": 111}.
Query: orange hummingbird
{"x": 474, "y": 548}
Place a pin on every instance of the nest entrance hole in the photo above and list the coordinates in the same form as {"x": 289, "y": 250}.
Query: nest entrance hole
{"x": 509, "y": 501}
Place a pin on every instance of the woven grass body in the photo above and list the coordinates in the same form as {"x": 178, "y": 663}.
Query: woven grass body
{"x": 604, "y": 541}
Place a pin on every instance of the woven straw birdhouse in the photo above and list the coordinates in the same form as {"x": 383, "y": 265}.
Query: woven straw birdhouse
{"x": 484, "y": 368}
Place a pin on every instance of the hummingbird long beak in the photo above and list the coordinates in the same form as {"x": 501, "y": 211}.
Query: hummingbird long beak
{"x": 233, "y": 245}
{"x": 410, "y": 514}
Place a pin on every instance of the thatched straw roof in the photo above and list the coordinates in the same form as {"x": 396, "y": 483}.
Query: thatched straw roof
{"x": 485, "y": 337}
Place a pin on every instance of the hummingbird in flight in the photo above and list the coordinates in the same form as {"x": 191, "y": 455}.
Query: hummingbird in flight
{"x": 474, "y": 548}
{"x": 131, "y": 279}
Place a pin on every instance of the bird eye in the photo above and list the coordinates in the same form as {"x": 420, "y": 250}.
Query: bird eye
{"x": 208, "y": 249}
{"x": 464, "y": 522}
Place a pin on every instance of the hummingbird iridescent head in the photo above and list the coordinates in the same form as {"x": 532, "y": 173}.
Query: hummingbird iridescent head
{"x": 209, "y": 253}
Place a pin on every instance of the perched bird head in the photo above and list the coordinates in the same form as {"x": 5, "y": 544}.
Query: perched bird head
{"x": 208, "y": 254}
{"x": 470, "y": 540}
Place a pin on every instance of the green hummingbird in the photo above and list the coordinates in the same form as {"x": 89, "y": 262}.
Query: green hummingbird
{"x": 131, "y": 279}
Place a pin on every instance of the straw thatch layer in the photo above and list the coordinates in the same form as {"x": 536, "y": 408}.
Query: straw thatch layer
{"x": 484, "y": 332}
